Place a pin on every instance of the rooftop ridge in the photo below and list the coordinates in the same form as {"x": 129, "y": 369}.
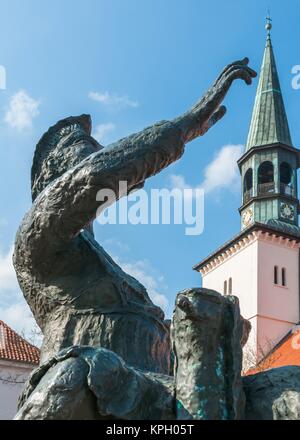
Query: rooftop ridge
{"x": 14, "y": 347}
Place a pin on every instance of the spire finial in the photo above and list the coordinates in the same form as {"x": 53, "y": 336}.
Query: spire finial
{"x": 268, "y": 24}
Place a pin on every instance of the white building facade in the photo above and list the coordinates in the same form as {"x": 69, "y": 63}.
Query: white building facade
{"x": 12, "y": 378}
{"x": 262, "y": 269}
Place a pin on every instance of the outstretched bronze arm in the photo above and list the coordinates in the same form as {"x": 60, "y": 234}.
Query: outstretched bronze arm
{"x": 208, "y": 110}
{"x": 69, "y": 204}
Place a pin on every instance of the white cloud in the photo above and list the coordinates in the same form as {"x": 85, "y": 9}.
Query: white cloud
{"x": 178, "y": 181}
{"x": 14, "y": 310}
{"x": 19, "y": 317}
{"x": 221, "y": 173}
{"x": 102, "y": 131}
{"x": 112, "y": 101}
{"x": 8, "y": 279}
{"x": 115, "y": 243}
{"x": 22, "y": 110}
{"x": 141, "y": 270}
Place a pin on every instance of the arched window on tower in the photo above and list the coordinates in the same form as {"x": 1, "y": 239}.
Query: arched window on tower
{"x": 275, "y": 274}
{"x": 225, "y": 288}
{"x": 248, "y": 185}
{"x": 230, "y": 286}
{"x": 266, "y": 178}
{"x": 286, "y": 179}
{"x": 283, "y": 276}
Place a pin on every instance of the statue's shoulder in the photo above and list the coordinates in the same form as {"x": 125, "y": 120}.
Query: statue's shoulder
{"x": 25, "y": 230}
{"x": 33, "y": 242}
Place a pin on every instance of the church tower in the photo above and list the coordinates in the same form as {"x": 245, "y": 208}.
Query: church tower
{"x": 269, "y": 165}
{"x": 261, "y": 264}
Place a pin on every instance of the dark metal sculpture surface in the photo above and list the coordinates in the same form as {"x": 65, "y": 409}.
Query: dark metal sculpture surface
{"x": 105, "y": 343}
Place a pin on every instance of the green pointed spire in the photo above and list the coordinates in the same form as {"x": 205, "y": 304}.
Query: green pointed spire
{"x": 269, "y": 122}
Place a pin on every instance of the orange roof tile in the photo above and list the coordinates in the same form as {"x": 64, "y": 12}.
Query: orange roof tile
{"x": 287, "y": 352}
{"x": 14, "y": 348}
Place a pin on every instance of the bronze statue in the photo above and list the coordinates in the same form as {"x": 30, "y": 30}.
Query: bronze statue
{"x": 80, "y": 297}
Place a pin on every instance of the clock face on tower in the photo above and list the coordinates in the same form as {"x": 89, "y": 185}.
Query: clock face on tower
{"x": 247, "y": 217}
{"x": 287, "y": 211}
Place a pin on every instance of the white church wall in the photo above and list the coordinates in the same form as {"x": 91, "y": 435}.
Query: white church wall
{"x": 272, "y": 309}
{"x": 270, "y": 332}
{"x": 278, "y": 305}
{"x": 12, "y": 378}
{"x": 276, "y": 301}
{"x": 241, "y": 267}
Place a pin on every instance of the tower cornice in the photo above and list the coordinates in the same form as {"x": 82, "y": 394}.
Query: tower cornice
{"x": 244, "y": 238}
{"x": 263, "y": 148}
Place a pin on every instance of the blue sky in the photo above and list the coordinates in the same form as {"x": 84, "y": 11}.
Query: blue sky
{"x": 143, "y": 61}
